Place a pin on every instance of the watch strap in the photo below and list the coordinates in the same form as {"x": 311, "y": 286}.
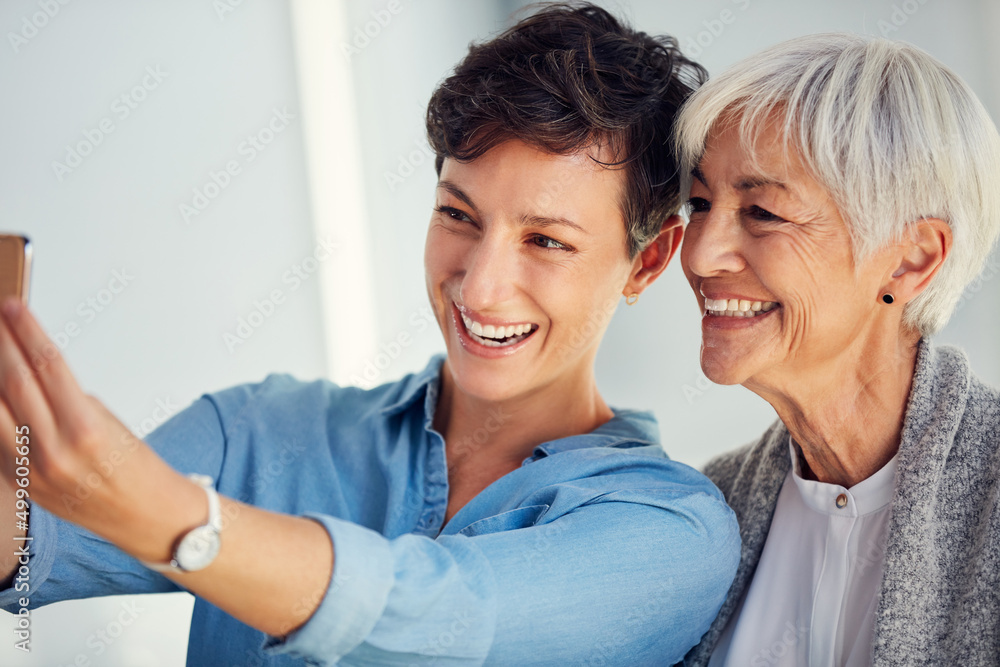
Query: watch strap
{"x": 214, "y": 522}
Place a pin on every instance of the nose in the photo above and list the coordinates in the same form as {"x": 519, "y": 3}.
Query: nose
{"x": 491, "y": 273}
{"x": 712, "y": 244}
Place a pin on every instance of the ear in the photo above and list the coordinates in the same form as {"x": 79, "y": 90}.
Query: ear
{"x": 923, "y": 251}
{"x": 650, "y": 263}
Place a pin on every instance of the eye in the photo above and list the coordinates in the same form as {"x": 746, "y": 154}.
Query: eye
{"x": 548, "y": 243}
{"x": 453, "y": 213}
{"x": 698, "y": 205}
{"x": 762, "y": 215}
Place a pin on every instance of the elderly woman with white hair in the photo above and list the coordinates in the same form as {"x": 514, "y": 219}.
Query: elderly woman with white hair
{"x": 843, "y": 193}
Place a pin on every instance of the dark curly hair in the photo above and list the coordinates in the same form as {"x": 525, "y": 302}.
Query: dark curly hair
{"x": 566, "y": 78}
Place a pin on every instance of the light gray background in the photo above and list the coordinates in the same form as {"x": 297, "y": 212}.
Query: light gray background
{"x": 161, "y": 338}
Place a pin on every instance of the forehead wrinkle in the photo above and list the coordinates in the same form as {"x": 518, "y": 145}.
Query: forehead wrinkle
{"x": 756, "y": 177}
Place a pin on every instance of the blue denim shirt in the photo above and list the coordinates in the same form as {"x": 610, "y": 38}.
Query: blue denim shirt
{"x": 597, "y": 550}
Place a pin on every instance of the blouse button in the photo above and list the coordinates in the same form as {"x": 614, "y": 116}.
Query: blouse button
{"x": 842, "y": 501}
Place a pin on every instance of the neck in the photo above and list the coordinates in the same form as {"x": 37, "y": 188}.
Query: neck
{"x": 847, "y": 417}
{"x": 507, "y": 431}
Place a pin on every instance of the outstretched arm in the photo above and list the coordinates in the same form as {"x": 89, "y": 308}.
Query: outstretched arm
{"x": 139, "y": 503}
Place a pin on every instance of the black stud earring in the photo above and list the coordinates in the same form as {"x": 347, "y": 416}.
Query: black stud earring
{"x": 887, "y": 298}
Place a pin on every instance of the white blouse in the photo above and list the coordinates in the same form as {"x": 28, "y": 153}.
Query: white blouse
{"x": 813, "y": 597}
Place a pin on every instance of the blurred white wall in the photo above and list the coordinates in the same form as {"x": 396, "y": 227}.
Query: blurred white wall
{"x": 222, "y": 77}
{"x": 225, "y": 72}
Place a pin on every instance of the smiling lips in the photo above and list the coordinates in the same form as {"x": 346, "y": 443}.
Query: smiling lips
{"x": 492, "y": 335}
{"x": 737, "y": 307}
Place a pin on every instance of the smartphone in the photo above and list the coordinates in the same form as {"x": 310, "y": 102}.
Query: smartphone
{"x": 15, "y": 266}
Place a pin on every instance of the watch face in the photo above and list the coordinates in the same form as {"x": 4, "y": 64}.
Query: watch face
{"x": 198, "y": 548}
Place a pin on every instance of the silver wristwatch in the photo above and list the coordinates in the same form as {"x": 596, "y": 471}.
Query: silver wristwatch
{"x": 198, "y": 547}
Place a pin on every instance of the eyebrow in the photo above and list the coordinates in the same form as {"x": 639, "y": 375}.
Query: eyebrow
{"x": 459, "y": 193}
{"x": 526, "y": 220}
{"x": 754, "y": 182}
{"x": 545, "y": 221}
{"x": 747, "y": 183}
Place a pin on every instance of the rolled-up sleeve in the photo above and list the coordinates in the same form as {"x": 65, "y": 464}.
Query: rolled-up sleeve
{"x": 632, "y": 578}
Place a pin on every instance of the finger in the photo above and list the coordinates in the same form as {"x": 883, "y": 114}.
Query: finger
{"x": 13, "y": 460}
{"x": 57, "y": 382}
{"x": 20, "y": 391}
{"x": 8, "y": 441}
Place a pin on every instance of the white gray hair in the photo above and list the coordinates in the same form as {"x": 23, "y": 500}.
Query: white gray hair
{"x": 894, "y": 135}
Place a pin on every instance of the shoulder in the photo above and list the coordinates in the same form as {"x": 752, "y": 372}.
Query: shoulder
{"x": 750, "y": 462}
{"x": 284, "y": 397}
{"x": 982, "y": 412}
{"x": 278, "y": 409}
{"x": 640, "y": 488}
{"x": 636, "y": 486}
{"x": 969, "y": 408}
{"x": 623, "y": 467}
{"x": 283, "y": 400}
{"x": 723, "y": 469}
{"x": 949, "y": 401}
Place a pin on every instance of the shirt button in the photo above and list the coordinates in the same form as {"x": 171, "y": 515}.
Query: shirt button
{"x": 842, "y": 501}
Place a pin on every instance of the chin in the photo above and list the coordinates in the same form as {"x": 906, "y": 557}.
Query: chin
{"x": 721, "y": 370}
{"x": 722, "y": 376}
{"x": 483, "y": 381}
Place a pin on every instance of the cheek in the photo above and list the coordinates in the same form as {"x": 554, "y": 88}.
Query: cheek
{"x": 686, "y": 246}
{"x": 444, "y": 254}
{"x": 814, "y": 283}
{"x": 690, "y": 243}
{"x": 430, "y": 253}
{"x": 824, "y": 267}
{"x": 588, "y": 297}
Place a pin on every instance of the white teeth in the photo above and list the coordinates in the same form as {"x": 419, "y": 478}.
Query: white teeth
{"x": 474, "y": 327}
{"x": 489, "y": 334}
{"x": 738, "y": 307}
{"x": 490, "y": 342}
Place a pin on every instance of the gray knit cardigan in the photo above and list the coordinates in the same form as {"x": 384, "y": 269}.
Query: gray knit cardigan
{"x": 939, "y": 603}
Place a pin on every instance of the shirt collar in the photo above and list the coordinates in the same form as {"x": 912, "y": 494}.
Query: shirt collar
{"x": 412, "y": 387}
{"x": 867, "y": 496}
{"x": 628, "y": 428}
